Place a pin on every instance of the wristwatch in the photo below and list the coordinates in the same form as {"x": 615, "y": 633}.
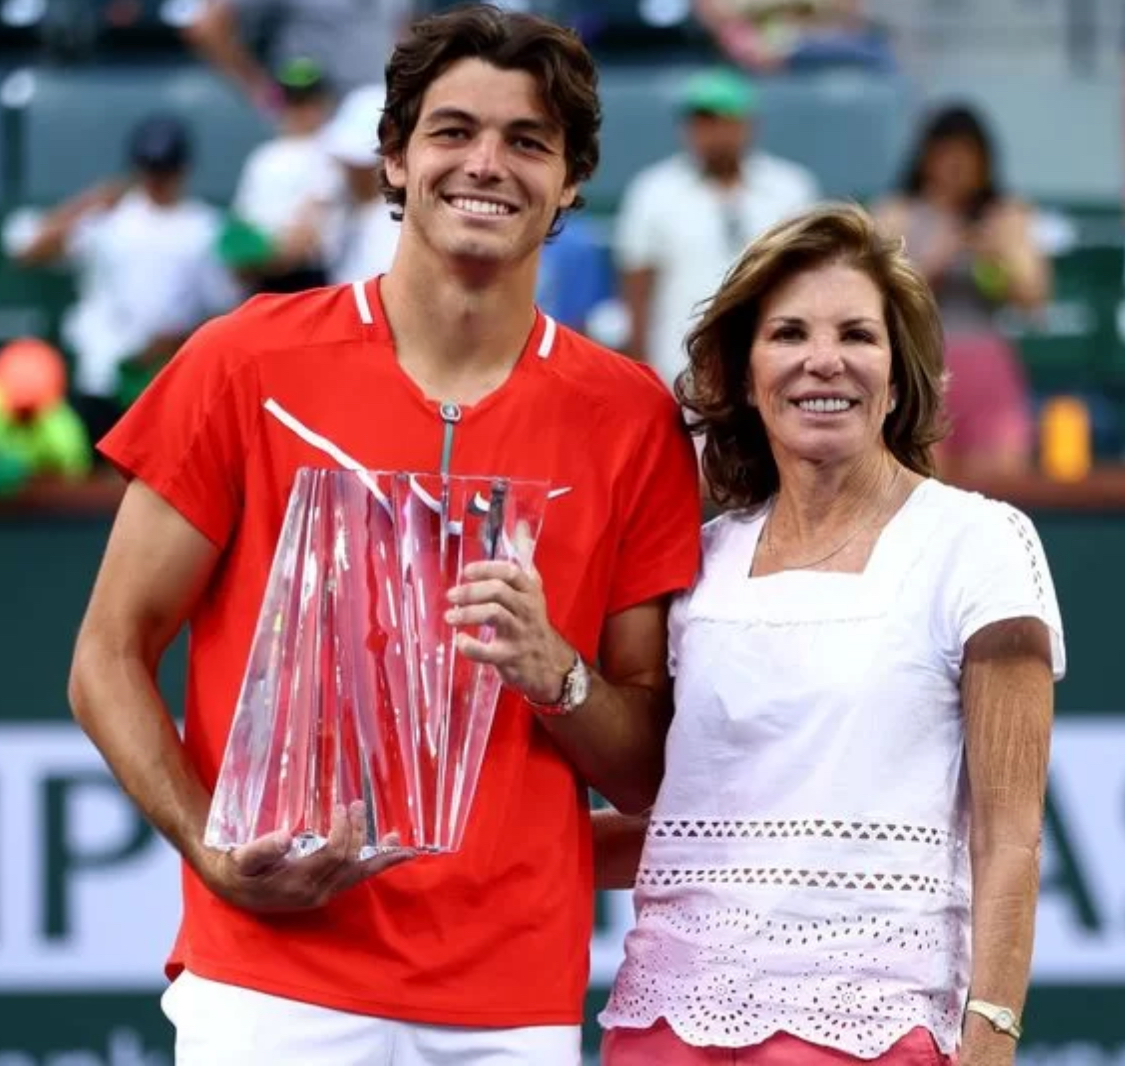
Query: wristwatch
{"x": 1003, "y": 1019}
{"x": 575, "y": 690}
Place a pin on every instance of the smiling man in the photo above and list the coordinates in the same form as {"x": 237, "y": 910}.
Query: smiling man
{"x": 490, "y": 127}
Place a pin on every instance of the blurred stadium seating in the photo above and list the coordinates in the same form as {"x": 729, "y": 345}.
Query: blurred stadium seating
{"x": 76, "y": 74}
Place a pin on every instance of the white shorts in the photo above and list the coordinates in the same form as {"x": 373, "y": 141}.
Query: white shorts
{"x": 225, "y": 1025}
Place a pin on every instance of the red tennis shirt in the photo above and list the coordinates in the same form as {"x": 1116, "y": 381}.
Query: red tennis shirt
{"x": 497, "y": 934}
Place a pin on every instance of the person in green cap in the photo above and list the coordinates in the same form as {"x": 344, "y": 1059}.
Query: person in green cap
{"x": 275, "y": 237}
{"x": 685, "y": 219}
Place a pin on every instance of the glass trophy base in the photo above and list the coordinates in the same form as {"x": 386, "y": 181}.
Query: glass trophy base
{"x": 310, "y": 843}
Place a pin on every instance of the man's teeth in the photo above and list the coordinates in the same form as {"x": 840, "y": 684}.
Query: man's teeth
{"x": 480, "y": 207}
{"x": 824, "y": 406}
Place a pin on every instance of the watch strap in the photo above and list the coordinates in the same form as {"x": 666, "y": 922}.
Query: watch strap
{"x": 1002, "y": 1019}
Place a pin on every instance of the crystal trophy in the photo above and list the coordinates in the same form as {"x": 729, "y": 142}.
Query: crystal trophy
{"x": 354, "y": 689}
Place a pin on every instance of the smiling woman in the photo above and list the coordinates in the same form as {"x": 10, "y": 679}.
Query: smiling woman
{"x": 863, "y": 695}
{"x": 868, "y": 310}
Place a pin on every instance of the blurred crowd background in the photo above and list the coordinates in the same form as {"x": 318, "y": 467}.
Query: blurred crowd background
{"x": 162, "y": 160}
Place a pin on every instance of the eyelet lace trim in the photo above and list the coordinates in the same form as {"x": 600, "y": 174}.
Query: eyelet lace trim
{"x": 704, "y": 971}
{"x": 789, "y": 877}
{"x": 1023, "y": 530}
{"x": 794, "y": 828}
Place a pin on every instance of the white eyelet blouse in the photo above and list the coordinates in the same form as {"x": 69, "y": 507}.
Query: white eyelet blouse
{"x": 806, "y": 868}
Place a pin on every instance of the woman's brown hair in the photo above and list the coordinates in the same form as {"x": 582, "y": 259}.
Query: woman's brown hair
{"x": 554, "y": 55}
{"x": 715, "y": 387}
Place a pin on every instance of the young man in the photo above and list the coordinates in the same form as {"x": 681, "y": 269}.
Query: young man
{"x": 490, "y": 126}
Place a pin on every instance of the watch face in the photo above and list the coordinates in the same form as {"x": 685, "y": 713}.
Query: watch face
{"x": 578, "y": 685}
{"x": 1004, "y": 1019}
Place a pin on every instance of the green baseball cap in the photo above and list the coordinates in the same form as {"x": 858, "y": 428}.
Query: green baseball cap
{"x": 719, "y": 92}
{"x": 300, "y": 78}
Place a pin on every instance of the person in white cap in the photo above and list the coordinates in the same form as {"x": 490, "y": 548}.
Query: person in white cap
{"x": 364, "y": 235}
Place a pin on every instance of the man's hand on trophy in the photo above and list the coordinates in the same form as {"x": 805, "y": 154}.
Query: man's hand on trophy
{"x": 263, "y": 876}
{"x": 502, "y": 614}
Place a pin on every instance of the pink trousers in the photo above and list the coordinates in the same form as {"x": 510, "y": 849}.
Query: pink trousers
{"x": 660, "y": 1045}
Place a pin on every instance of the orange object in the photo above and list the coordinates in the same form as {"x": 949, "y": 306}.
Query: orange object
{"x": 1065, "y": 450}
{"x": 32, "y": 375}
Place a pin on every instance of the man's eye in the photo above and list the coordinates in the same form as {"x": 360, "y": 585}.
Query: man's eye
{"x": 529, "y": 144}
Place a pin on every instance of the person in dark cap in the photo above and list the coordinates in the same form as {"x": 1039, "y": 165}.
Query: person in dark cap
{"x": 160, "y": 145}
{"x": 147, "y": 269}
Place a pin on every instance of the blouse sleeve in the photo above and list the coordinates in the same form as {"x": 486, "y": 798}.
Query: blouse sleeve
{"x": 999, "y": 571}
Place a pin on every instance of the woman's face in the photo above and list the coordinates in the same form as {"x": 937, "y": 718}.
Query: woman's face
{"x": 953, "y": 169}
{"x": 820, "y": 366}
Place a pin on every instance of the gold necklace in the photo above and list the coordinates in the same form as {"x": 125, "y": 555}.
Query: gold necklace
{"x": 767, "y": 532}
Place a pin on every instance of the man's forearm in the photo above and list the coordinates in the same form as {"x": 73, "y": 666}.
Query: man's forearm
{"x": 615, "y": 740}
{"x": 115, "y": 700}
{"x": 215, "y": 36}
{"x": 618, "y": 843}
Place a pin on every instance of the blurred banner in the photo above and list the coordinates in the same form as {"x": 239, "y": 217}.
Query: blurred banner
{"x": 89, "y": 894}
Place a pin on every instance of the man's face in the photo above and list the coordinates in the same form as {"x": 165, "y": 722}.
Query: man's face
{"x": 718, "y": 142}
{"x": 485, "y": 169}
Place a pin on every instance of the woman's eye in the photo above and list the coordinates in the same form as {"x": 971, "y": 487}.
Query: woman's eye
{"x": 788, "y": 333}
{"x": 861, "y": 335}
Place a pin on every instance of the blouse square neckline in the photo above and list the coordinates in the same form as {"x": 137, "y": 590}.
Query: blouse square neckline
{"x": 888, "y": 539}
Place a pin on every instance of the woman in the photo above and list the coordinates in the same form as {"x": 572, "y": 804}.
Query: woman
{"x": 863, "y": 677}
{"x": 974, "y": 244}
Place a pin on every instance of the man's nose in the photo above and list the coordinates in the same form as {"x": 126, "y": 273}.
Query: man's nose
{"x": 485, "y": 159}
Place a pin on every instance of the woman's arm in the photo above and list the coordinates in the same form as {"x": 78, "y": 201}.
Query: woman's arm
{"x": 1008, "y": 696}
{"x": 1006, "y": 238}
{"x": 618, "y": 840}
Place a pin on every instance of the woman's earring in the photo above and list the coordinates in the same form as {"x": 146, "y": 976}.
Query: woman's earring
{"x": 892, "y": 405}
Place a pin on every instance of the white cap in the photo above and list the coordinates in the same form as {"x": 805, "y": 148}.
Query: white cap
{"x": 352, "y": 134}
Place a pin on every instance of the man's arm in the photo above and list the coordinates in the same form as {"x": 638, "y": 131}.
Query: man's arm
{"x": 636, "y": 290}
{"x": 1007, "y": 692}
{"x": 156, "y": 567}
{"x": 619, "y": 840}
{"x": 615, "y": 740}
{"x": 50, "y": 241}
{"x": 214, "y": 34}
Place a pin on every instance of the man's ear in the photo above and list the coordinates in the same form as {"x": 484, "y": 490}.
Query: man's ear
{"x": 395, "y": 171}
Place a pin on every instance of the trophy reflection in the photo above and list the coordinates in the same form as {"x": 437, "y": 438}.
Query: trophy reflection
{"x": 354, "y": 689}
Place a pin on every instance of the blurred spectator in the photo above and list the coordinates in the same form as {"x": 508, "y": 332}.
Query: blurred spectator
{"x": 40, "y": 434}
{"x": 147, "y": 270}
{"x": 364, "y": 235}
{"x": 685, "y": 220}
{"x": 288, "y": 188}
{"x": 575, "y": 275}
{"x": 975, "y": 245}
{"x": 794, "y": 36}
{"x": 351, "y": 39}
